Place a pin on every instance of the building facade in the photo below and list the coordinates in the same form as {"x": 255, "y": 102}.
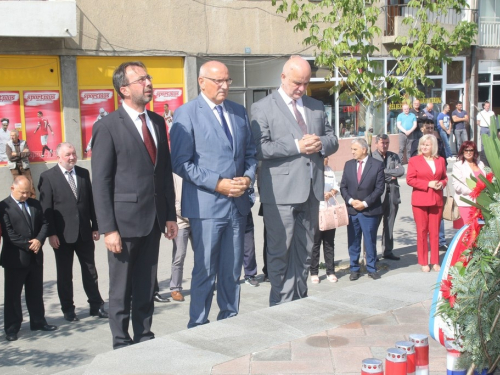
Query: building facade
{"x": 58, "y": 57}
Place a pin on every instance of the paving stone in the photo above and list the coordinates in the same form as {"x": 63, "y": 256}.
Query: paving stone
{"x": 295, "y": 367}
{"x": 236, "y": 366}
{"x": 272, "y": 355}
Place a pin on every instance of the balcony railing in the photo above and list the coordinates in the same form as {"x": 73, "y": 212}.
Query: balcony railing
{"x": 451, "y": 18}
{"x": 489, "y": 31}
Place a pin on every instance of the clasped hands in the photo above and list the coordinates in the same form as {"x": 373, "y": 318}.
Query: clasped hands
{"x": 436, "y": 185}
{"x": 358, "y": 205}
{"x": 233, "y": 188}
{"x": 310, "y": 144}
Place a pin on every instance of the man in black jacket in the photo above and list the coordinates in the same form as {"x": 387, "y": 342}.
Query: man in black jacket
{"x": 68, "y": 205}
{"x": 24, "y": 230}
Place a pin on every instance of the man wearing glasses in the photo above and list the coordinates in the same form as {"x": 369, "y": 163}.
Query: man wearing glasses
{"x": 213, "y": 151}
{"x": 134, "y": 201}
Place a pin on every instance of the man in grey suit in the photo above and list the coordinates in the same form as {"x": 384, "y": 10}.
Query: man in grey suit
{"x": 292, "y": 135}
{"x": 213, "y": 151}
{"x": 134, "y": 201}
{"x": 391, "y": 199}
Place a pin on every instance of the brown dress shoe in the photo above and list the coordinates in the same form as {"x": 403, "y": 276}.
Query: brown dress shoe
{"x": 177, "y": 296}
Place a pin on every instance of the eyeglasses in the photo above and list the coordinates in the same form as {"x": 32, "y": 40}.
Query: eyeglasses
{"x": 141, "y": 80}
{"x": 220, "y": 82}
{"x": 469, "y": 150}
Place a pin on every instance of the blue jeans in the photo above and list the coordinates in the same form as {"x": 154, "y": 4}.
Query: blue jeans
{"x": 442, "y": 238}
{"x": 446, "y": 141}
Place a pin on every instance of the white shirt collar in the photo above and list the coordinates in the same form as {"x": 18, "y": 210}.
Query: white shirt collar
{"x": 18, "y": 202}
{"x": 211, "y": 104}
{"x": 64, "y": 170}
{"x": 363, "y": 160}
{"x": 132, "y": 112}
{"x": 287, "y": 99}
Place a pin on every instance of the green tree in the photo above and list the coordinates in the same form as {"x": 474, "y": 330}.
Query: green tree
{"x": 342, "y": 32}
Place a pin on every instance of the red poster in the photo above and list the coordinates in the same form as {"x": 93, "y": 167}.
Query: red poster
{"x": 94, "y": 104}
{"x": 166, "y": 101}
{"x": 10, "y": 110}
{"x": 42, "y": 113}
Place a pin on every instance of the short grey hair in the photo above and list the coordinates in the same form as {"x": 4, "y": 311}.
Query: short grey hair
{"x": 15, "y": 131}
{"x": 361, "y": 141}
{"x": 63, "y": 144}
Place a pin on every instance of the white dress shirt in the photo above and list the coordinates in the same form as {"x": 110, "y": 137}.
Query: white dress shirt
{"x": 134, "y": 115}
{"x": 212, "y": 106}
{"x": 20, "y": 205}
{"x": 300, "y": 107}
{"x": 72, "y": 173}
{"x": 362, "y": 170}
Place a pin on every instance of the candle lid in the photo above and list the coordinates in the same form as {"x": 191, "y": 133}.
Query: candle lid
{"x": 372, "y": 366}
{"x": 419, "y": 340}
{"x": 396, "y": 355}
{"x": 407, "y": 346}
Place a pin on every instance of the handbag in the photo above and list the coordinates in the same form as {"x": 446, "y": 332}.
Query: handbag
{"x": 450, "y": 207}
{"x": 333, "y": 216}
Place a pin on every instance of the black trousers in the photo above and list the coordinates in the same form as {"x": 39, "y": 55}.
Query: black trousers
{"x": 328, "y": 239}
{"x": 388, "y": 218}
{"x": 132, "y": 275}
{"x": 85, "y": 251}
{"x": 31, "y": 278}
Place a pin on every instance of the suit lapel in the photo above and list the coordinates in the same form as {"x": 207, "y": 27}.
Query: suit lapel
{"x": 215, "y": 125}
{"x": 365, "y": 170}
{"x": 64, "y": 182}
{"x": 308, "y": 113}
{"x": 283, "y": 107}
{"x": 17, "y": 209}
{"x": 32, "y": 215}
{"x": 128, "y": 124}
{"x": 157, "y": 132}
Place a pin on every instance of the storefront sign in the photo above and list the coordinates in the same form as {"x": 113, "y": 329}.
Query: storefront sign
{"x": 42, "y": 114}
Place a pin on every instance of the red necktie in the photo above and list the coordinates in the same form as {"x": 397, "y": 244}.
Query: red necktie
{"x": 299, "y": 117}
{"x": 148, "y": 139}
{"x": 360, "y": 170}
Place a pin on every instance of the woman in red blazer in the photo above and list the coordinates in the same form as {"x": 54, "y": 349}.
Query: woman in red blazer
{"x": 427, "y": 175}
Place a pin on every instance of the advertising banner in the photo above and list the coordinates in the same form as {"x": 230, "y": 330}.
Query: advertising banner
{"x": 94, "y": 105}
{"x": 166, "y": 101}
{"x": 42, "y": 114}
{"x": 10, "y": 110}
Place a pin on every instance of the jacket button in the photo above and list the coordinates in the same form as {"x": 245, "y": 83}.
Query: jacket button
{"x": 308, "y": 164}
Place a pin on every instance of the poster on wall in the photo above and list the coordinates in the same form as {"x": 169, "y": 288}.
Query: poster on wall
{"x": 94, "y": 105}
{"x": 42, "y": 114}
{"x": 10, "y": 114}
{"x": 166, "y": 101}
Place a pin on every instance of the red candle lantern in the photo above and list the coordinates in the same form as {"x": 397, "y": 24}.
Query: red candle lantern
{"x": 409, "y": 348}
{"x": 370, "y": 366}
{"x": 421, "y": 350}
{"x": 395, "y": 362}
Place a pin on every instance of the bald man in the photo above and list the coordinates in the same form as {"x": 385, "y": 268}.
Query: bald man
{"x": 292, "y": 135}
{"x": 213, "y": 151}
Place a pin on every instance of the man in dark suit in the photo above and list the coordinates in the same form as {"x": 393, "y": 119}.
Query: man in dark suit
{"x": 292, "y": 135}
{"x": 213, "y": 151}
{"x": 363, "y": 183}
{"x": 68, "y": 205}
{"x": 134, "y": 201}
{"x": 24, "y": 230}
{"x": 391, "y": 199}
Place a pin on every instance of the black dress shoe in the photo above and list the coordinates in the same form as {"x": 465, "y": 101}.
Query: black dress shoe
{"x": 71, "y": 317}
{"x": 100, "y": 312}
{"x": 46, "y": 328}
{"x": 391, "y": 256}
{"x": 443, "y": 247}
{"x": 159, "y": 298}
{"x": 354, "y": 276}
{"x": 374, "y": 275}
{"x": 11, "y": 336}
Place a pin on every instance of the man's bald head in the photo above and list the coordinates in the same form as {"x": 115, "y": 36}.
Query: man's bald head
{"x": 295, "y": 77}
{"x": 214, "y": 81}
{"x": 21, "y": 188}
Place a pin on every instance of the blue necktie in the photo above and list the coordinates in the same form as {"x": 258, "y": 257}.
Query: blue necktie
{"x": 224, "y": 125}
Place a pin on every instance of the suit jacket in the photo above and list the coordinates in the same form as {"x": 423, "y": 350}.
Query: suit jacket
{"x": 418, "y": 176}
{"x": 130, "y": 193}
{"x": 202, "y": 154}
{"x": 285, "y": 174}
{"x": 370, "y": 188}
{"x": 68, "y": 216}
{"x": 16, "y": 233}
{"x": 393, "y": 168}
{"x": 461, "y": 172}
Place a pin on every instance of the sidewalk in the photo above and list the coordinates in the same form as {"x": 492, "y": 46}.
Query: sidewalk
{"x": 85, "y": 346}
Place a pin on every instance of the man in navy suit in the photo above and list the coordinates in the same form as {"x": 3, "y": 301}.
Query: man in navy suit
{"x": 362, "y": 185}
{"x": 213, "y": 151}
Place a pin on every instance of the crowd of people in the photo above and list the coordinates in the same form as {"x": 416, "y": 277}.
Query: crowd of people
{"x": 201, "y": 189}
